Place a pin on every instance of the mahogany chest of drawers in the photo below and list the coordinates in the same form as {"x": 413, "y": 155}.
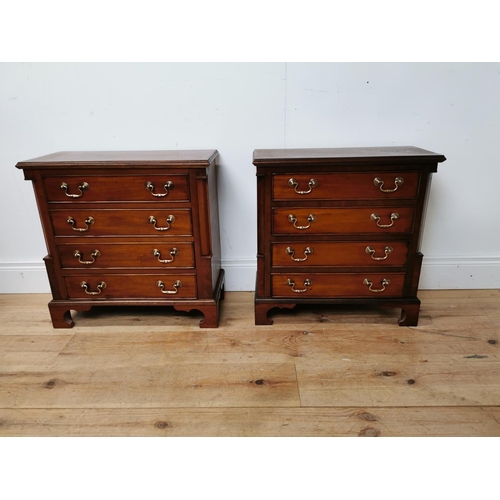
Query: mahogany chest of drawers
{"x": 341, "y": 226}
{"x": 130, "y": 228}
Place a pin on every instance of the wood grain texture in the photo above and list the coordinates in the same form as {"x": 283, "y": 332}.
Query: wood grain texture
{"x": 132, "y": 286}
{"x": 318, "y": 371}
{"x": 167, "y": 386}
{"x": 344, "y": 186}
{"x": 122, "y": 222}
{"x": 401, "y": 155}
{"x": 346, "y": 197}
{"x": 65, "y": 159}
{"x": 342, "y": 220}
{"x": 339, "y": 253}
{"x": 132, "y": 204}
{"x": 337, "y": 285}
{"x": 251, "y": 422}
{"x": 128, "y": 254}
{"x": 118, "y": 188}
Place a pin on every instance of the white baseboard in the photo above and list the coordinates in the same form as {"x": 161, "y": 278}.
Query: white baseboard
{"x": 240, "y": 274}
{"x": 437, "y": 273}
{"x": 23, "y": 277}
{"x": 464, "y": 273}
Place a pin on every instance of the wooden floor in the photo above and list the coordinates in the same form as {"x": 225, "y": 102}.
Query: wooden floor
{"x": 318, "y": 371}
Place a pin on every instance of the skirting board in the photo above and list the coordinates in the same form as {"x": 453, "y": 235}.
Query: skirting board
{"x": 437, "y": 273}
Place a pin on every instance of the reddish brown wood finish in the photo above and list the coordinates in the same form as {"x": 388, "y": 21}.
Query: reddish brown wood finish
{"x": 262, "y": 309}
{"x": 121, "y": 206}
{"x": 210, "y": 309}
{"x": 61, "y": 314}
{"x": 341, "y": 198}
{"x": 327, "y": 285}
{"x": 193, "y": 158}
{"x": 348, "y": 186}
{"x": 117, "y": 188}
{"x": 342, "y": 220}
{"x": 138, "y": 286}
{"x": 409, "y": 314}
{"x": 120, "y": 255}
{"x": 122, "y": 222}
{"x": 374, "y": 157}
{"x": 332, "y": 254}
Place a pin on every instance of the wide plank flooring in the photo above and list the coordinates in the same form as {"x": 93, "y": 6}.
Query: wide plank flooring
{"x": 318, "y": 371}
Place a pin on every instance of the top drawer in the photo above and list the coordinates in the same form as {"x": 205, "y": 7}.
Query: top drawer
{"x": 85, "y": 188}
{"x": 345, "y": 186}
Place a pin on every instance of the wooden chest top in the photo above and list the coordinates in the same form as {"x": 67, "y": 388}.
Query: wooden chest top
{"x": 116, "y": 159}
{"x": 345, "y": 156}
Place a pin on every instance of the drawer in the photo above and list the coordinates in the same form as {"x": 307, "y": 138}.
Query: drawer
{"x": 345, "y": 186}
{"x": 328, "y": 285}
{"x": 91, "y": 222}
{"x": 359, "y": 253}
{"x": 86, "y": 188}
{"x": 120, "y": 286}
{"x": 110, "y": 255}
{"x": 295, "y": 220}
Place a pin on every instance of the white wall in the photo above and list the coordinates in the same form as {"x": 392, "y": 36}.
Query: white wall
{"x": 453, "y": 109}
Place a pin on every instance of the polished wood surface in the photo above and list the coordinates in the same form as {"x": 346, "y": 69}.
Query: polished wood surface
{"x": 122, "y": 222}
{"x": 333, "y": 213}
{"x": 63, "y": 159}
{"x": 129, "y": 254}
{"x": 132, "y": 286}
{"x": 327, "y": 285}
{"x": 118, "y": 188}
{"x": 318, "y": 371}
{"x": 344, "y": 186}
{"x": 112, "y": 220}
{"x": 387, "y": 155}
{"x": 342, "y": 220}
{"x": 331, "y": 254}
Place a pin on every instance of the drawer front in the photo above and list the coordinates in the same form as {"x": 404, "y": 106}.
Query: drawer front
{"x": 89, "y": 222}
{"x": 367, "y": 253}
{"x": 99, "y": 256}
{"x": 346, "y": 186}
{"x": 294, "y": 220}
{"x": 87, "y": 188}
{"x": 122, "y": 286}
{"x": 328, "y": 285}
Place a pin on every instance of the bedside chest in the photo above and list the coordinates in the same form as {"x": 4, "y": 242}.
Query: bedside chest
{"x": 341, "y": 226}
{"x": 130, "y": 228}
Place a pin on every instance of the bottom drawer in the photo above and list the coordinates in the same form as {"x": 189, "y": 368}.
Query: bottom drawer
{"x": 328, "y": 285}
{"x": 123, "y": 286}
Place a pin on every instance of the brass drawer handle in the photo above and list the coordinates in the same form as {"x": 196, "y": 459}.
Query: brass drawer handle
{"x": 290, "y": 251}
{"x": 369, "y": 284}
{"x": 94, "y": 256}
{"x": 371, "y": 251}
{"x": 100, "y": 287}
{"x": 294, "y": 184}
{"x": 161, "y": 285}
{"x": 310, "y": 218}
{"x": 379, "y": 182}
{"x": 291, "y": 284}
{"x": 173, "y": 253}
{"x": 88, "y": 222}
{"x": 170, "y": 219}
{"x": 168, "y": 185}
{"x": 82, "y": 187}
{"x": 376, "y": 218}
